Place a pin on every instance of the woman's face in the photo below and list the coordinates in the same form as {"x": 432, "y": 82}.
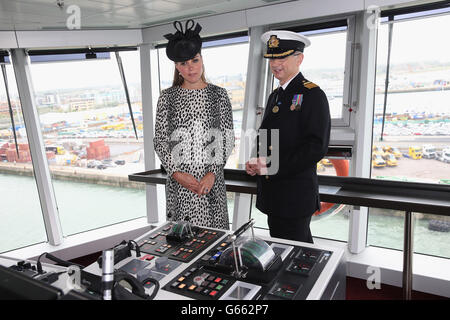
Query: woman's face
{"x": 191, "y": 70}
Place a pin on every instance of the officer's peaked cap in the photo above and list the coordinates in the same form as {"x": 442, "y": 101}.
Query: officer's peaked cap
{"x": 283, "y": 43}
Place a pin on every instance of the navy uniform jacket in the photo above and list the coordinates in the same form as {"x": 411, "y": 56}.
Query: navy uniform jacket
{"x": 304, "y": 134}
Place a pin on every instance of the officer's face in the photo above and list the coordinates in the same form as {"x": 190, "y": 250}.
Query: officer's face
{"x": 285, "y": 68}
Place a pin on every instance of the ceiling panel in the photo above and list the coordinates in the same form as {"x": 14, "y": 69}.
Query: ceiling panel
{"x": 164, "y": 6}
{"x": 5, "y": 23}
{"x": 92, "y": 5}
{"x": 199, "y": 3}
{"x": 111, "y": 19}
{"x": 15, "y": 8}
{"x": 123, "y": 2}
{"x": 46, "y": 14}
{"x": 49, "y": 7}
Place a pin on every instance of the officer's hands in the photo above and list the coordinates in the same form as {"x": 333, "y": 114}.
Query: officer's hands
{"x": 250, "y": 166}
{"x": 187, "y": 180}
{"x": 206, "y": 183}
{"x": 256, "y": 166}
{"x": 262, "y": 166}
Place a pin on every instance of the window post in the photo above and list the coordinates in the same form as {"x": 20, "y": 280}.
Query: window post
{"x": 363, "y": 119}
{"x": 147, "y": 115}
{"x": 242, "y": 202}
{"x": 38, "y": 156}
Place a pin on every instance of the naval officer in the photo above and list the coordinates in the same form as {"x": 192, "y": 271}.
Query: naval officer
{"x": 299, "y": 110}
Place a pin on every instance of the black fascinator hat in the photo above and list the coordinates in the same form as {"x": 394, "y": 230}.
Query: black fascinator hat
{"x": 185, "y": 45}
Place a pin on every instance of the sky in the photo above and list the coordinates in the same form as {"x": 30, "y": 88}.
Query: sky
{"x": 417, "y": 40}
{"x": 88, "y": 73}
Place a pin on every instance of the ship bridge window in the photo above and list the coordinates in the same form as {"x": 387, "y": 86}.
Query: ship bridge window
{"x": 22, "y": 222}
{"x": 326, "y": 67}
{"x": 92, "y": 141}
{"x": 4, "y": 57}
{"x": 412, "y": 119}
{"x": 38, "y": 58}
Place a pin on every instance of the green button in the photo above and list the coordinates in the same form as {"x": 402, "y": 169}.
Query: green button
{"x": 219, "y": 286}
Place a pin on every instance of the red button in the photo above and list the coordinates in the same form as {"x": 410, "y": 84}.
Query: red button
{"x": 176, "y": 253}
{"x": 213, "y": 293}
{"x": 218, "y": 280}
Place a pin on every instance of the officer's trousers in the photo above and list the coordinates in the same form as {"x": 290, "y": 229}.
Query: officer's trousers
{"x": 296, "y": 228}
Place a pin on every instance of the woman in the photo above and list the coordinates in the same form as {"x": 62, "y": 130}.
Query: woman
{"x": 193, "y": 135}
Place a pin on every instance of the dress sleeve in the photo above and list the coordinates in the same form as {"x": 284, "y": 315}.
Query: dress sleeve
{"x": 226, "y": 129}
{"x": 162, "y": 136}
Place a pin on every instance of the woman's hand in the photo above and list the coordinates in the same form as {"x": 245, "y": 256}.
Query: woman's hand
{"x": 187, "y": 180}
{"x": 250, "y": 166}
{"x": 206, "y": 183}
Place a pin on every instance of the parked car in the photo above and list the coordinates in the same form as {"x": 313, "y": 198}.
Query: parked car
{"x": 93, "y": 163}
{"x": 444, "y": 156}
{"x": 320, "y": 167}
{"x": 120, "y": 162}
{"x": 377, "y": 150}
{"x": 390, "y": 159}
{"x": 428, "y": 151}
{"x": 394, "y": 150}
{"x": 377, "y": 161}
{"x": 414, "y": 152}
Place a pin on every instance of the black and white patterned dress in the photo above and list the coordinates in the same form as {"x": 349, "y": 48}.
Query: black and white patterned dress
{"x": 194, "y": 134}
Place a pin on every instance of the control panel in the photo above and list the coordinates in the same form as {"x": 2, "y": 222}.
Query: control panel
{"x": 49, "y": 274}
{"x": 192, "y": 262}
{"x": 33, "y": 280}
{"x": 164, "y": 252}
{"x": 179, "y": 241}
{"x": 275, "y": 272}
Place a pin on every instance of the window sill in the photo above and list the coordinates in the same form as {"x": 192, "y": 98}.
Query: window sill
{"x": 88, "y": 242}
{"x": 344, "y": 136}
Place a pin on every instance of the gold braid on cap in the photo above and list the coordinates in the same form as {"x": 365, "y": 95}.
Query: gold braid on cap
{"x": 272, "y": 55}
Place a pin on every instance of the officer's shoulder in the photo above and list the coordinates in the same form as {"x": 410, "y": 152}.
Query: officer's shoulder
{"x": 309, "y": 85}
{"x": 311, "y": 89}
